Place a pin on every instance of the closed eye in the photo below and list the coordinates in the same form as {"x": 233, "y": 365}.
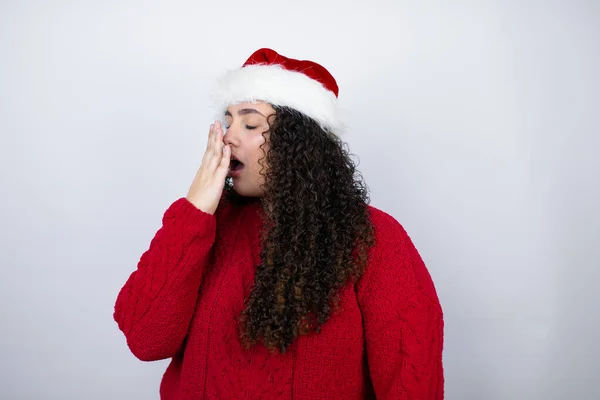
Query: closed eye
{"x": 247, "y": 127}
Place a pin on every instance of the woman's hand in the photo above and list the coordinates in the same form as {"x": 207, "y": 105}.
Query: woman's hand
{"x": 207, "y": 187}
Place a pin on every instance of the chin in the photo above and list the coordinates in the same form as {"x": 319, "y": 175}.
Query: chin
{"x": 247, "y": 190}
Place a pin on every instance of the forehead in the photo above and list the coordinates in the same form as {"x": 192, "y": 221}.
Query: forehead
{"x": 257, "y": 108}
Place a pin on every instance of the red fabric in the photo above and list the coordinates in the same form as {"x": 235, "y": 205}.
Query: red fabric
{"x": 185, "y": 297}
{"x": 309, "y": 68}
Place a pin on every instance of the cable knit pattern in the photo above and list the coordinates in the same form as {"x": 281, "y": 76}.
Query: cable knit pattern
{"x": 184, "y": 300}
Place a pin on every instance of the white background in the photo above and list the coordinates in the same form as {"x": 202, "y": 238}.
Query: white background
{"x": 475, "y": 122}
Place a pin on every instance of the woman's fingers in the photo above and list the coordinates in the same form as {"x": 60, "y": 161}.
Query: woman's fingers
{"x": 223, "y": 168}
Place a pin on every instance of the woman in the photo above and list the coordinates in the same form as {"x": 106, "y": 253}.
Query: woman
{"x": 273, "y": 278}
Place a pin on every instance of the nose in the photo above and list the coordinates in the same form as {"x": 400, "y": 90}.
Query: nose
{"x": 231, "y": 136}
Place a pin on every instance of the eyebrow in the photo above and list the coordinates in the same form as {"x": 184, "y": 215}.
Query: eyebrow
{"x": 244, "y": 111}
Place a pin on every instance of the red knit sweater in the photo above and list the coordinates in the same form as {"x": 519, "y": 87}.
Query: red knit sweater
{"x": 188, "y": 291}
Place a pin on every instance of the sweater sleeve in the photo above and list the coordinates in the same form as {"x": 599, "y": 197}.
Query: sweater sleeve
{"x": 402, "y": 317}
{"x": 155, "y": 306}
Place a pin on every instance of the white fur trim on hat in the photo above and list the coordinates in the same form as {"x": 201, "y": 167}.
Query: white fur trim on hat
{"x": 279, "y": 86}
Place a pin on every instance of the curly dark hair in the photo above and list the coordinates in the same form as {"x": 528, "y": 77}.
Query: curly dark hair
{"x": 316, "y": 203}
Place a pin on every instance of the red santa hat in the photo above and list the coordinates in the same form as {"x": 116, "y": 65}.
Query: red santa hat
{"x": 302, "y": 85}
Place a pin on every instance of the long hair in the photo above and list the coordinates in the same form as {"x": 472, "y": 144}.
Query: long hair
{"x": 316, "y": 232}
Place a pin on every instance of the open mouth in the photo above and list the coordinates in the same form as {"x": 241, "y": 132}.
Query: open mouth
{"x": 235, "y": 165}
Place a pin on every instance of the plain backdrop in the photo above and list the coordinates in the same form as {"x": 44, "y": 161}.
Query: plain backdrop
{"x": 475, "y": 124}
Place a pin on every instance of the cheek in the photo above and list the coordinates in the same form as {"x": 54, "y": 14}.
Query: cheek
{"x": 259, "y": 150}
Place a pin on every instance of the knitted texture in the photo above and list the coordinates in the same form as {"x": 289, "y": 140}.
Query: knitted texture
{"x": 184, "y": 301}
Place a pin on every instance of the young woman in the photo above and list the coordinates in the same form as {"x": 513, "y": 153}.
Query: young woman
{"x": 273, "y": 278}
